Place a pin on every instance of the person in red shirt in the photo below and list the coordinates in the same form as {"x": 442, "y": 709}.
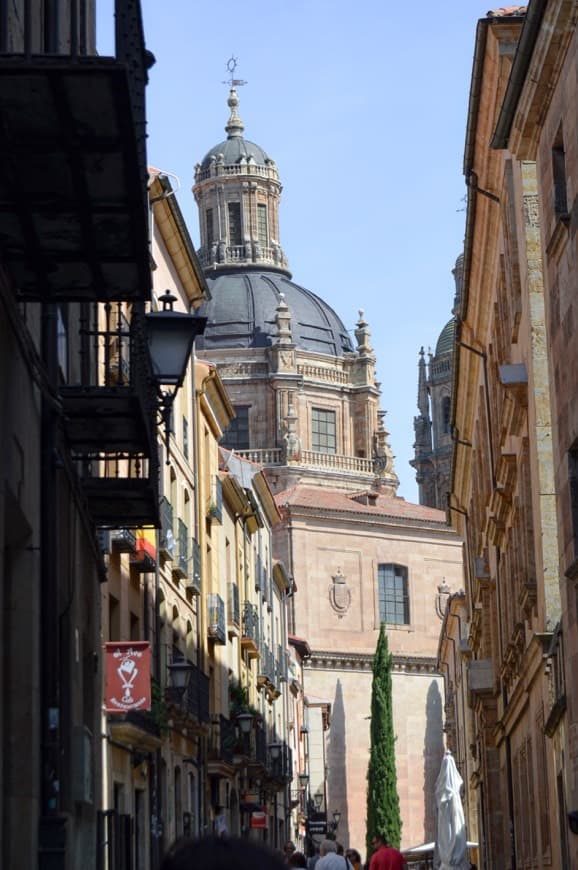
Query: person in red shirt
{"x": 385, "y": 857}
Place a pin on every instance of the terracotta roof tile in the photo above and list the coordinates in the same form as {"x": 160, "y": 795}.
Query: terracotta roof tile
{"x": 505, "y": 11}
{"x": 336, "y": 500}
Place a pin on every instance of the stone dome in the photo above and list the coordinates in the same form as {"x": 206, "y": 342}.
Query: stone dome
{"x": 445, "y": 343}
{"x": 233, "y": 150}
{"x": 242, "y": 314}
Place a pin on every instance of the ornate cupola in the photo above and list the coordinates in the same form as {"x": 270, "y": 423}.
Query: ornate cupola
{"x": 237, "y": 190}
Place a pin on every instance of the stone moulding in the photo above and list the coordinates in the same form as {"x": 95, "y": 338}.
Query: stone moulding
{"x": 335, "y": 661}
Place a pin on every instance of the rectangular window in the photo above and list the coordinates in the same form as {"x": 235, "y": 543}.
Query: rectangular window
{"x": 236, "y": 436}
{"x": 262, "y": 234}
{"x": 559, "y": 173}
{"x": 573, "y": 491}
{"x": 210, "y": 232}
{"x": 323, "y": 431}
{"x": 393, "y": 594}
{"x": 185, "y": 438}
{"x": 235, "y": 238}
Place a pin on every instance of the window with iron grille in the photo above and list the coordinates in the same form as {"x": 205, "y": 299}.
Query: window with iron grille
{"x": 393, "y": 594}
{"x": 235, "y": 237}
{"x": 323, "y": 431}
{"x": 236, "y": 436}
{"x": 262, "y": 224}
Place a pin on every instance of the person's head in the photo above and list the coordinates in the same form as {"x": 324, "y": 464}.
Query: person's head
{"x": 289, "y": 848}
{"x": 297, "y": 859}
{"x": 353, "y": 856}
{"x": 221, "y": 853}
{"x": 327, "y": 846}
{"x": 378, "y": 841}
{"x": 339, "y": 848}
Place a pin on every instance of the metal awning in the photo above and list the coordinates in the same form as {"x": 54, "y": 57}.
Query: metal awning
{"x": 73, "y": 199}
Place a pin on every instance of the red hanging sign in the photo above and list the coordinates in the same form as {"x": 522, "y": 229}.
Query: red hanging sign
{"x": 258, "y": 820}
{"x": 128, "y": 676}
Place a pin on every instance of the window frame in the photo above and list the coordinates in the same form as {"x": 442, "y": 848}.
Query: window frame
{"x": 329, "y": 414}
{"x": 235, "y": 205}
{"x": 234, "y": 429}
{"x": 397, "y": 598}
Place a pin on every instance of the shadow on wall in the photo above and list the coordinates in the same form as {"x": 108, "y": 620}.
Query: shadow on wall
{"x": 433, "y": 752}
{"x": 337, "y": 778}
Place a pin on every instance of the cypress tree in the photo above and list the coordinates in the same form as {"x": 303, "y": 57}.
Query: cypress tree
{"x": 383, "y": 816}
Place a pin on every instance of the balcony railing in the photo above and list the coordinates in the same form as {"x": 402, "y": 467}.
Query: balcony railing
{"x": 282, "y": 665}
{"x": 250, "y": 630}
{"x": 233, "y": 608}
{"x": 182, "y": 555}
{"x": 216, "y": 618}
{"x": 166, "y": 537}
{"x": 337, "y": 462}
{"x": 223, "y": 740}
{"x": 110, "y": 422}
{"x": 266, "y": 671}
{"x": 194, "y": 584}
{"x": 215, "y": 501}
{"x": 265, "y": 456}
{"x": 123, "y": 540}
{"x": 281, "y": 768}
{"x": 73, "y": 202}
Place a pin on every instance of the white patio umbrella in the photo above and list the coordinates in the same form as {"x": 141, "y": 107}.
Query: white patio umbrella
{"x": 451, "y": 849}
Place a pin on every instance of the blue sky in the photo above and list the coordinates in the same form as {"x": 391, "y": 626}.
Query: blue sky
{"x": 363, "y": 108}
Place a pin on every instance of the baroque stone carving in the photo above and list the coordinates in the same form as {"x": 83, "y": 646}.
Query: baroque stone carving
{"x": 339, "y": 594}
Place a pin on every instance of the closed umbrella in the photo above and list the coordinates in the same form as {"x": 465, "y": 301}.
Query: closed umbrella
{"x": 451, "y": 843}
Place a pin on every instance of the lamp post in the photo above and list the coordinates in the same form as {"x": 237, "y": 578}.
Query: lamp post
{"x": 244, "y": 721}
{"x": 275, "y": 751}
{"x": 180, "y": 672}
{"x": 170, "y": 336}
{"x": 336, "y": 819}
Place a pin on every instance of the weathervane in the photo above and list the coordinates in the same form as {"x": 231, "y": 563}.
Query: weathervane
{"x": 231, "y": 67}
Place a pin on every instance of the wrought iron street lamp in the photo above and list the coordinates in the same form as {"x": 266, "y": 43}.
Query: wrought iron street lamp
{"x": 275, "y": 751}
{"x": 244, "y": 721}
{"x": 170, "y": 336}
{"x": 180, "y": 672}
{"x": 318, "y": 800}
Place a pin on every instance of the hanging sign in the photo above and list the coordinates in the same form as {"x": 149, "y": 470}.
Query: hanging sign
{"x": 258, "y": 820}
{"x": 128, "y": 676}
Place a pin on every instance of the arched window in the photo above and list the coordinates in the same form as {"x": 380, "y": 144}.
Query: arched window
{"x": 393, "y": 594}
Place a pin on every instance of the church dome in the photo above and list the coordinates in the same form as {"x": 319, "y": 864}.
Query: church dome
{"x": 242, "y": 314}
{"x": 233, "y": 150}
{"x": 445, "y": 342}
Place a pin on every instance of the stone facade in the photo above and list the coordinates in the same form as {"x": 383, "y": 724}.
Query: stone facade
{"x": 540, "y": 124}
{"x": 335, "y": 545}
{"x": 506, "y": 414}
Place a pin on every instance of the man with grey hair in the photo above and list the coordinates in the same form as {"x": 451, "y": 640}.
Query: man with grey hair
{"x": 329, "y": 859}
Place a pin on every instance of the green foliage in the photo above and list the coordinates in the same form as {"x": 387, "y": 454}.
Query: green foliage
{"x": 239, "y": 700}
{"x": 158, "y": 711}
{"x": 383, "y": 815}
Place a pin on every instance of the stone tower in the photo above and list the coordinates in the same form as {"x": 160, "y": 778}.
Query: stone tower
{"x": 319, "y": 419}
{"x": 432, "y": 426}
{"x": 308, "y": 410}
